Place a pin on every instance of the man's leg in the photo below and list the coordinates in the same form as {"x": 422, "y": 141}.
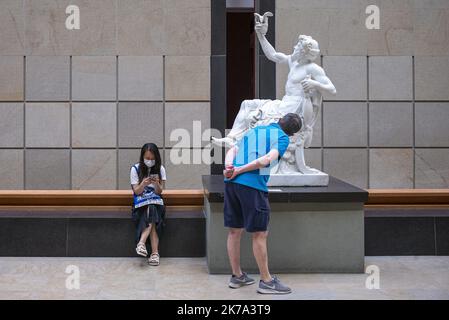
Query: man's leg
{"x": 233, "y": 220}
{"x": 267, "y": 283}
{"x": 256, "y": 210}
{"x": 233, "y": 244}
{"x": 261, "y": 254}
{"x": 257, "y": 217}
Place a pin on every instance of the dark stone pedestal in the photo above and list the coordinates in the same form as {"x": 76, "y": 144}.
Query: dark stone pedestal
{"x": 312, "y": 229}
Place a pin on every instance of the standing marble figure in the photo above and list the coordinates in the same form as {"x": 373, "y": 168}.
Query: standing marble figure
{"x": 305, "y": 85}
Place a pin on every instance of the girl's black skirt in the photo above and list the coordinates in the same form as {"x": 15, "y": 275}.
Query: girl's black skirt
{"x": 153, "y": 214}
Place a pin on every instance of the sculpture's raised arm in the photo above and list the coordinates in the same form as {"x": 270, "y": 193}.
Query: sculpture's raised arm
{"x": 261, "y": 27}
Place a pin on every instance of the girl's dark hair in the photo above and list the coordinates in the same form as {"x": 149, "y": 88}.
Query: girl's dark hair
{"x": 143, "y": 169}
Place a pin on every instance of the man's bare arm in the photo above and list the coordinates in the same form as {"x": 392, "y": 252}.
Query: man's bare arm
{"x": 230, "y": 155}
{"x": 259, "y": 163}
{"x": 229, "y": 160}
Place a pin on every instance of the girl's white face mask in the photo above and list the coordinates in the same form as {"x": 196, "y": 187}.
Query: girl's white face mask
{"x": 150, "y": 163}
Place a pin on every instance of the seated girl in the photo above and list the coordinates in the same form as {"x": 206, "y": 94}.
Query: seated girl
{"x": 147, "y": 181}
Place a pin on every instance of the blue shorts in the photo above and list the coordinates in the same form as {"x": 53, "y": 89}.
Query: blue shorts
{"x": 246, "y": 207}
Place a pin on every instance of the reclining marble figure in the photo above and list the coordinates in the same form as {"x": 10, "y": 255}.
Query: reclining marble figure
{"x": 305, "y": 85}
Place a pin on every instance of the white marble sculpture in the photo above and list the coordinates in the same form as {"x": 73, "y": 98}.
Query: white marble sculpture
{"x": 305, "y": 85}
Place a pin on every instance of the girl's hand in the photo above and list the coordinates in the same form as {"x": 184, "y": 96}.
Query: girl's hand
{"x": 158, "y": 185}
{"x": 146, "y": 182}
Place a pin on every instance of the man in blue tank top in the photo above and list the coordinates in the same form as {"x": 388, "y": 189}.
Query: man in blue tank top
{"x": 246, "y": 205}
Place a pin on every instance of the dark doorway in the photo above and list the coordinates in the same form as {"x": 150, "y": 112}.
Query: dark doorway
{"x": 240, "y": 60}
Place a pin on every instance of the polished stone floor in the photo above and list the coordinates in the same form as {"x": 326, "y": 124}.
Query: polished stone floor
{"x": 175, "y": 278}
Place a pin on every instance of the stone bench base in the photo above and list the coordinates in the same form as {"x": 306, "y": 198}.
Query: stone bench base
{"x": 65, "y": 232}
{"x": 312, "y": 229}
{"x": 311, "y": 237}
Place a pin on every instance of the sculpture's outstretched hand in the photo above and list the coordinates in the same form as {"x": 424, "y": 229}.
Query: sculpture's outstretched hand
{"x": 261, "y": 25}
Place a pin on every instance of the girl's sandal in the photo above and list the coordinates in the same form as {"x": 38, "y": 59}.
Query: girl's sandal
{"x": 154, "y": 259}
{"x": 141, "y": 249}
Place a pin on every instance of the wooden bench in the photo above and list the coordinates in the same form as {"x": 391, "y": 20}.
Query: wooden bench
{"x": 40, "y": 222}
{"x": 378, "y": 198}
{"x": 97, "y": 198}
{"x": 94, "y": 223}
{"x": 407, "y": 222}
{"x": 408, "y": 198}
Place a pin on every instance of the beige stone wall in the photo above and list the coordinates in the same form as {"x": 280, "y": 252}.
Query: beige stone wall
{"x": 77, "y": 105}
{"x": 388, "y": 126}
{"x": 71, "y": 100}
